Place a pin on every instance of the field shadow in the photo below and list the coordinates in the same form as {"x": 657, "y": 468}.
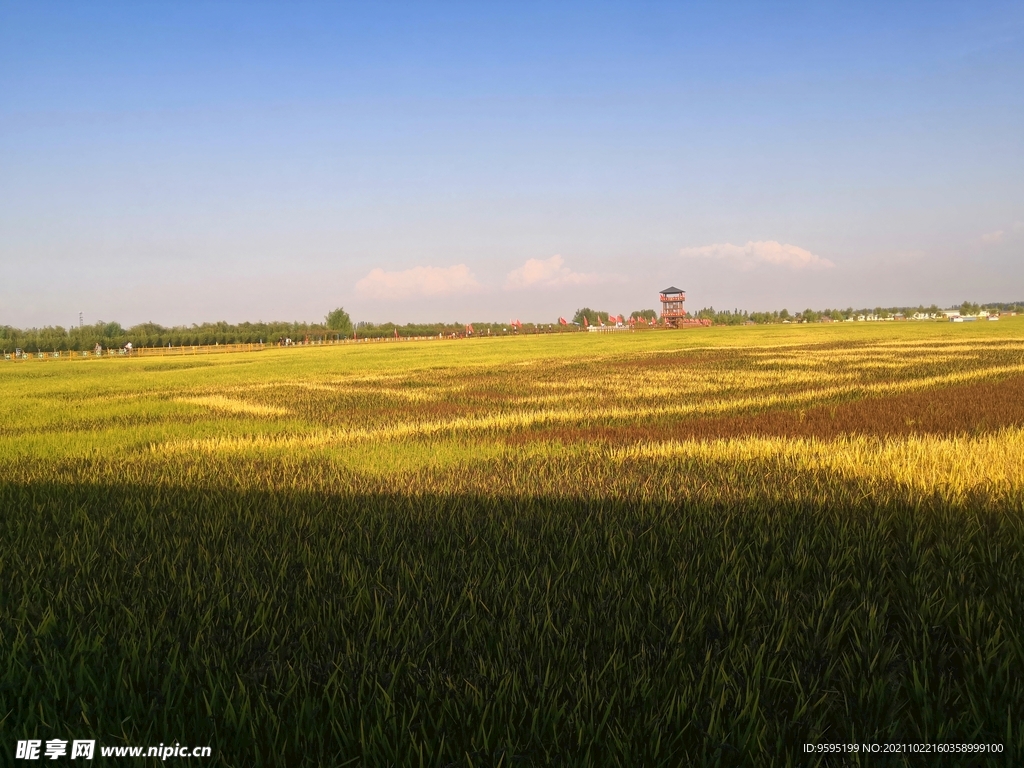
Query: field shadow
{"x": 288, "y": 627}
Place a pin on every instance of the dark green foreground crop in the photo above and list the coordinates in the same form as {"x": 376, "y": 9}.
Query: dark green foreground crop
{"x": 334, "y": 622}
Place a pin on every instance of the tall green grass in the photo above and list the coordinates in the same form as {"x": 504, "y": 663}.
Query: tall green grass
{"x": 345, "y": 620}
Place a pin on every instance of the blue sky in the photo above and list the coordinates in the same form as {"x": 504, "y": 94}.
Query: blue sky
{"x": 203, "y": 161}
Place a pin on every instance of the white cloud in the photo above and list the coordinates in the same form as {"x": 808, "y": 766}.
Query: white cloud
{"x": 548, "y": 273}
{"x": 1001, "y": 235}
{"x": 753, "y": 254}
{"x": 418, "y": 281}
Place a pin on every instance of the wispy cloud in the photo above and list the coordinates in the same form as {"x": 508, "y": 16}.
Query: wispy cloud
{"x": 549, "y": 273}
{"x": 418, "y": 281}
{"x": 1001, "y": 235}
{"x": 761, "y": 252}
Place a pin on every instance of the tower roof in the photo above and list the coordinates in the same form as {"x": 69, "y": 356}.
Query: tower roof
{"x": 672, "y": 289}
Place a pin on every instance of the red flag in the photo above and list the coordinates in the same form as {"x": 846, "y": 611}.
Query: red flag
{"x": 600, "y": 321}
{"x": 586, "y": 323}
{"x": 469, "y": 329}
{"x": 562, "y": 321}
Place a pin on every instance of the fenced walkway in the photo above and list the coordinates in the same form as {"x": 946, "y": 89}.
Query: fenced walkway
{"x": 208, "y": 349}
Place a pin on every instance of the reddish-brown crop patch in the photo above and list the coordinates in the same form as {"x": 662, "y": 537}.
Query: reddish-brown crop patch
{"x": 964, "y": 409}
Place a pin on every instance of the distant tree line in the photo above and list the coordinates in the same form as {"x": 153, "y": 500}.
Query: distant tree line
{"x": 644, "y": 314}
{"x": 366, "y": 330}
{"x": 741, "y": 317}
{"x": 113, "y": 335}
{"x": 593, "y": 315}
{"x": 337, "y": 324}
{"x": 108, "y": 335}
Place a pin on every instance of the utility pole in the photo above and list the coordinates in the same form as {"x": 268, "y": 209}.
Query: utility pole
{"x": 79, "y": 321}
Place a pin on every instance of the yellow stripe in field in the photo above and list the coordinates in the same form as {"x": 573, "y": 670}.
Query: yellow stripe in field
{"x": 220, "y": 403}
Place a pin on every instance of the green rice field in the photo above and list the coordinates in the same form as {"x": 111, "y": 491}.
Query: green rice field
{"x": 662, "y": 548}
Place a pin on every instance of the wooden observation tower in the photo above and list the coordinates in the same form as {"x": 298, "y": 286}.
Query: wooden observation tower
{"x": 673, "y": 313}
{"x": 672, "y": 310}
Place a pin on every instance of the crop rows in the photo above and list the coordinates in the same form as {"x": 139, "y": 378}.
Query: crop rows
{"x": 668, "y": 549}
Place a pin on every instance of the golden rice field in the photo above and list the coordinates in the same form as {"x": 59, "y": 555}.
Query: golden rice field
{"x": 700, "y": 547}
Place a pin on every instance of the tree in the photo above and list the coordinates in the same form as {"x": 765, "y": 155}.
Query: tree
{"x": 646, "y": 314}
{"x": 112, "y": 330}
{"x": 590, "y": 314}
{"x": 338, "y": 320}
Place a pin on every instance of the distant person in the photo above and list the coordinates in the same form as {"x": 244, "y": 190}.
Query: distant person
{"x": 98, "y": 349}
{"x": 128, "y": 347}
